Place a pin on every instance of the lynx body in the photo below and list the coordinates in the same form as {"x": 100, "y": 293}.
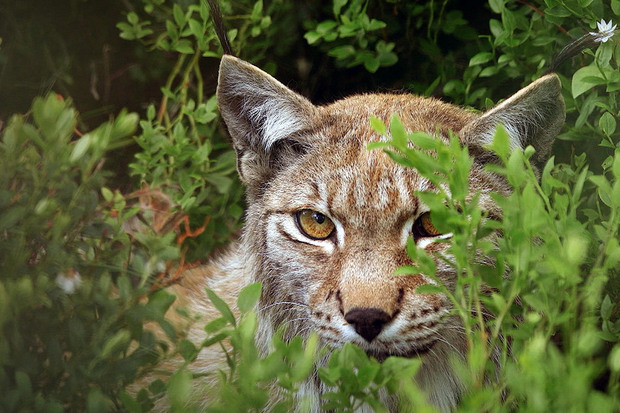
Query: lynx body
{"x": 328, "y": 220}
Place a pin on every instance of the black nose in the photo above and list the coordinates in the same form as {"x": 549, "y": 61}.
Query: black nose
{"x": 368, "y": 322}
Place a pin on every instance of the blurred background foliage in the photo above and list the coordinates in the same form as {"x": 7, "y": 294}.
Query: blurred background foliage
{"x": 467, "y": 53}
{"x": 115, "y": 171}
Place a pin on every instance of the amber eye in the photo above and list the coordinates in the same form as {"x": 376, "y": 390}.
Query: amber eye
{"x": 314, "y": 224}
{"x": 423, "y": 227}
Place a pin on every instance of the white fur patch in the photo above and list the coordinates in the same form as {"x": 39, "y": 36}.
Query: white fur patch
{"x": 288, "y": 224}
{"x": 277, "y": 118}
{"x": 406, "y": 232}
{"x": 425, "y": 242}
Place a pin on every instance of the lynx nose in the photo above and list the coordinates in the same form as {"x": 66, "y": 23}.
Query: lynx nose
{"x": 368, "y": 322}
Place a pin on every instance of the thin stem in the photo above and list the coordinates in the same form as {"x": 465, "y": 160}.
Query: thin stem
{"x": 164, "y": 101}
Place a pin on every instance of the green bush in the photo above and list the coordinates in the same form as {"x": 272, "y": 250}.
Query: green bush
{"x": 73, "y": 281}
{"x": 78, "y": 282}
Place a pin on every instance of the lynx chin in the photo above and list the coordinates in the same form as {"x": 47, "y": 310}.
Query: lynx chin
{"x": 328, "y": 220}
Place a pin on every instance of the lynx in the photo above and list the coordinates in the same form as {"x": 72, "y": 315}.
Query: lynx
{"x": 328, "y": 220}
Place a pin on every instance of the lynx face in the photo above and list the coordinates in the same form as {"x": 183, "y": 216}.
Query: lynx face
{"x": 334, "y": 225}
{"x": 328, "y": 220}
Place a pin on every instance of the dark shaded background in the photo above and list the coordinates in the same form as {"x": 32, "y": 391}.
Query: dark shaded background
{"x": 73, "y": 48}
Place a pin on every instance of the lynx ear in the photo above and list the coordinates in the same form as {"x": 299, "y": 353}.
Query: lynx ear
{"x": 264, "y": 119}
{"x": 532, "y": 116}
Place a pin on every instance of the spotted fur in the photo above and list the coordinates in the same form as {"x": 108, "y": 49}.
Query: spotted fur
{"x": 293, "y": 155}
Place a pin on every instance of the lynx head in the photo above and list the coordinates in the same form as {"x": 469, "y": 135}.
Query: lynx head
{"x": 328, "y": 220}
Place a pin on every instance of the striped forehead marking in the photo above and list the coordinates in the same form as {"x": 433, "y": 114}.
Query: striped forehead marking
{"x": 358, "y": 195}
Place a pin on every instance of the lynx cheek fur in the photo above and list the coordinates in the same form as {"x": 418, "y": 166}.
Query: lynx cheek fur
{"x": 328, "y": 220}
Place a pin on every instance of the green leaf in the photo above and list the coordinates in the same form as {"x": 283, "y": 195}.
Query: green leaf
{"x": 249, "y": 296}
{"x": 117, "y": 342}
{"x": 497, "y": 5}
{"x": 158, "y": 304}
{"x": 342, "y": 52}
{"x": 312, "y": 37}
{"x": 124, "y": 125}
{"x": 221, "y": 306}
{"x": 501, "y": 142}
{"x": 604, "y": 53}
{"x": 375, "y": 24}
{"x": 387, "y": 58}
{"x": 399, "y": 135}
{"x": 179, "y": 16}
{"x": 429, "y": 289}
{"x": 535, "y": 302}
{"x": 378, "y": 125}
{"x": 157, "y": 387}
{"x": 54, "y": 117}
{"x": 614, "y": 359}
{"x": 220, "y": 182}
{"x": 366, "y": 374}
{"x": 196, "y": 28}
{"x": 132, "y": 18}
{"x": 24, "y": 385}
{"x": 184, "y": 46}
{"x": 97, "y": 402}
{"x": 489, "y": 71}
{"x": 496, "y": 27}
{"x": 257, "y": 11}
{"x": 425, "y": 141}
{"x": 215, "y": 339}
{"x": 171, "y": 28}
{"x": 615, "y": 166}
{"x": 604, "y": 188}
{"x": 216, "y": 325}
{"x": 107, "y": 194}
{"x": 607, "y": 123}
{"x": 372, "y": 64}
{"x": 338, "y": 5}
{"x": 325, "y": 26}
{"x": 129, "y": 403}
{"x": 480, "y": 58}
{"x": 582, "y": 81}
{"x": 558, "y": 11}
{"x": 329, "y": 376}
{"x": 179, "y": 389}
{"x": 606, "y": 308}
{"x": 66, "y": 122}
{"x": 187, "y": 350}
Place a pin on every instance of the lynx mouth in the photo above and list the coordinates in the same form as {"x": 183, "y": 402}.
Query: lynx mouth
{"x": 417, "y": 351}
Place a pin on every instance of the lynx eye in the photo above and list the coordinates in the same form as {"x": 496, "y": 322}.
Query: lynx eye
{"x": 423, "y": 227}
{"x": 314, "y": 224}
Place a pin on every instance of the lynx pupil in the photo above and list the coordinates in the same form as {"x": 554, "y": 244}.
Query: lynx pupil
{"x": 319, "y": 218}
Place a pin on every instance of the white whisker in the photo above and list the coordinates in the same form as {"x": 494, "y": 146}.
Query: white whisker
{"x": 442, "y": 339}
{"x": 282, "y": 303}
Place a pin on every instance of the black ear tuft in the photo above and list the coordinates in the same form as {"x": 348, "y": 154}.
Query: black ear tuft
{"x": 588, "y": 40}
{"x": 220, "y": 29}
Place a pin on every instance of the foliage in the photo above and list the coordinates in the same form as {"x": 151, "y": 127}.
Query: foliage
{"x": 78, "y": 282}
{"x": 551, "y": 302}
{"x": 244, "y": 386}
{"x": 72, "y": 280}
{"x": 354, "y": 23}
{"x": 182, "y": 151}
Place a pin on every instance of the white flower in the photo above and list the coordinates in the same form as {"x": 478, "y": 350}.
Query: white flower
{"x": 605, "y": 31}
{"x": 69, "y": 283}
